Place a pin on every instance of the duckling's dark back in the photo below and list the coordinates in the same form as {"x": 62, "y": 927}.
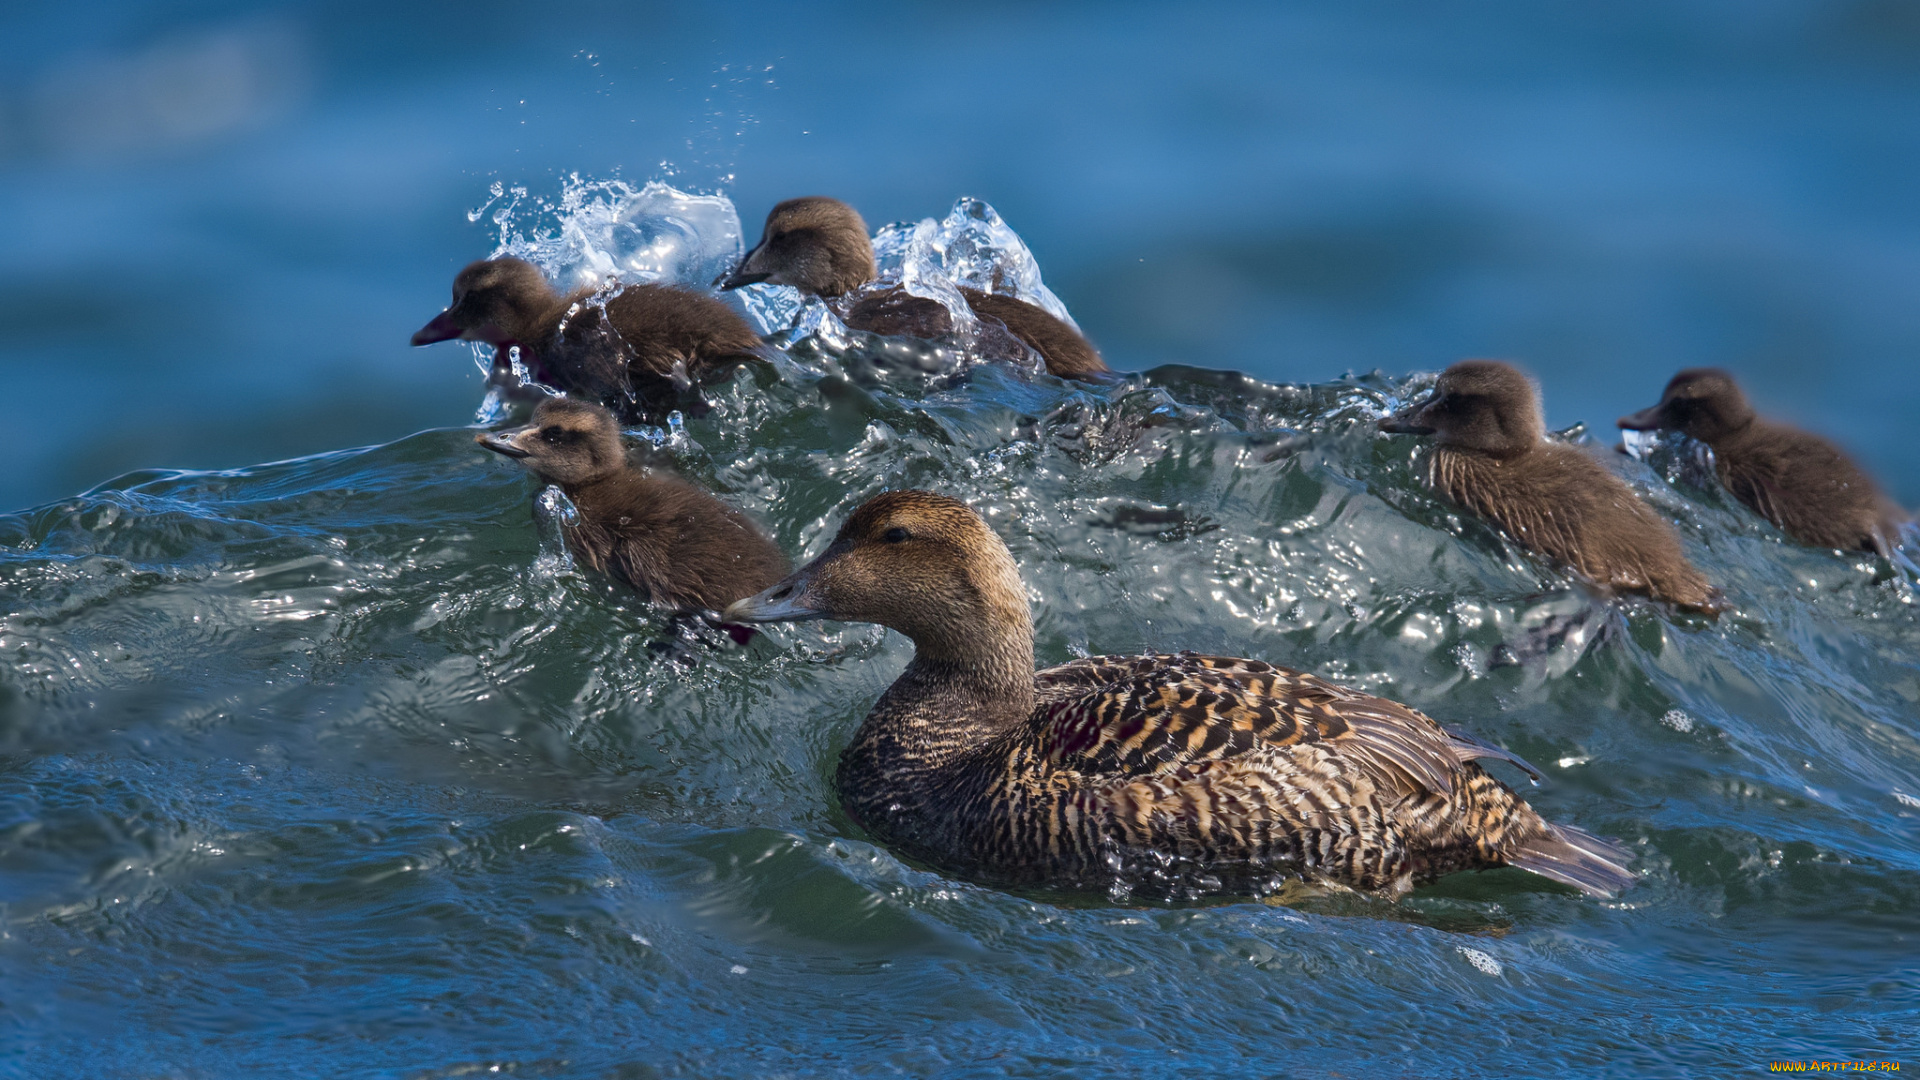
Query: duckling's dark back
{"x": 672, "y": 542}
{"x": 1066, "y": 353}
{"x": 645, "y": 343}
{"x": 1561, "y": 502}
{"x": 1806, "y": 486}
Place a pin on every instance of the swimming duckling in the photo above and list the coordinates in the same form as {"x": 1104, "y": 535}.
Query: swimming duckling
{"x": 1493, "y": 459}
{"x": 1183, "y": 766}
{"x": 819, "y": 245}
{"x": 1799, "y": 481}
{"x": 633, "y": 351}
{"x": 673, "y": 543}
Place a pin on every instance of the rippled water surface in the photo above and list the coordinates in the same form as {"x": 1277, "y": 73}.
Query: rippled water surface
{"x": 334, "y": 766}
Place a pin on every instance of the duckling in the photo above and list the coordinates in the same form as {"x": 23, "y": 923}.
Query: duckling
{"x": 1492, "y": 458}
{"x": 1804, "y": 484}
{"x": 1200, "y": 771}
{"x": 819, "y": 245}
{"x": 633, "y": 351}
{"x": 671, "y": 542}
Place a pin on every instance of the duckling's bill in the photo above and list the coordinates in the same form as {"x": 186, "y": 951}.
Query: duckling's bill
{"x": 1411, "y": 420}
{"x": 1648, "y": 419}
{"x": 506, "y": 443}
{"x": 441, "y": 328}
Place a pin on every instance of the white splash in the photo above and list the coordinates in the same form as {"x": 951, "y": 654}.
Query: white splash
{"x": 1639, "y": 445}
{"x": 1481, "y": 960}
{"x": 674, "y": 434}
{"x": 974, "y": 248}
{"x": 553, "y": 515}
{"x": 601, "y": 231}
{"x": 1678, "y": 720}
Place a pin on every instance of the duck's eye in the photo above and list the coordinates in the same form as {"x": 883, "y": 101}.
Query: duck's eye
{"x": 896, "y": 535}
{"x": 554, "y": 435}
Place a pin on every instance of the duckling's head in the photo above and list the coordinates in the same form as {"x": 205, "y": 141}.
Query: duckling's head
{"x": 1481, "y": 405}
{"x": 494, "y": 300}
{"x": 569, "y": 442}
{"x": 1702, "y": 402}
{"x": 923, "y": 564}
{"x": 816, "y": 244}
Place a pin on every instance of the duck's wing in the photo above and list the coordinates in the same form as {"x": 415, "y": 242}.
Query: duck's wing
{"x": 1140, "y": 715}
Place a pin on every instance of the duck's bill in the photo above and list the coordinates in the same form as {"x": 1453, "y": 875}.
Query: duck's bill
{"x": 1408, "y": 421}
{"x": 739, "y": 277}
{"x": 442, "y": 328}
{"x": 502, "y": 442}
{"x": 787, "y": 601}
{"x": 1644, "y": 420}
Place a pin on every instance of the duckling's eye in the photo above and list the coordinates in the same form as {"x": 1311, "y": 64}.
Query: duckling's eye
{"x": 554, "y": 435}
{"x": 896, "y": 535}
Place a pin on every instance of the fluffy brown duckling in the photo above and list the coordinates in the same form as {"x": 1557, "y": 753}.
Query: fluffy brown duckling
{"x": 633, "y": 351}
{"x": 819, "y": 245}
{"x": 1801, "y": 482}
{"x": 1493, "y": 459}
{"x": 673, "y": 543}
{"x": 1179, "y": 768}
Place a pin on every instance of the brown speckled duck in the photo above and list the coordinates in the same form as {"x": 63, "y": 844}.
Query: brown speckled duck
{"x": 1493, "y": 459}
{"x": 1182, "y": 769}
{"x": 635, "y": 351}
{"x": 673, "y": 543}
{"x": 1799, "y": 481}
{"x": 819, "y": 245}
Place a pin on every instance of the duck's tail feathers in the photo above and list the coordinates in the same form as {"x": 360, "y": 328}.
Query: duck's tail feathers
{"x": 1578, "y": 858}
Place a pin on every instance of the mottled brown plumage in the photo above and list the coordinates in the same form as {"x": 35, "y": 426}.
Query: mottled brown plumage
{"x": 673, "y": 543}
{"x": 1804, "y": 484}
{"x": 634, "y": 351}
{"x": 1492, "y": 459}
{"x": 1194, "y": 771}
{"x": 819, "y": 245}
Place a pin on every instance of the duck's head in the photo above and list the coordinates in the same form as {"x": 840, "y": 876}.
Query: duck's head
{"x": 1702, "y": 402}
{"x": 1481, "y": 405}
{"x": 816, "y": 244}
{"x": 494, "y": 300}
{"x": 923, "y": 564}
{"x": 568, "y": 442}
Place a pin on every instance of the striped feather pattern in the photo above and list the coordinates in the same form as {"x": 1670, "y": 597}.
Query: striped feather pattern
{"x": 1185, "y": 764}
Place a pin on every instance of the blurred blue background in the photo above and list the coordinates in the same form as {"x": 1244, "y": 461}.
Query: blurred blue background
{"x": 220, "y": 222}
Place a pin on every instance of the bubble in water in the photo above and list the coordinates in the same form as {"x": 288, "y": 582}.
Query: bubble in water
{"x": 1678, "y": 721}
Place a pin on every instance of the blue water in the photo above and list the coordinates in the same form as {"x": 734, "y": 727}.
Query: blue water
{"x": 334, "y": 767}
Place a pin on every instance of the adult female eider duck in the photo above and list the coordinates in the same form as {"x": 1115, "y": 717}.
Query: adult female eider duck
{"x": 636, "y": 351}
{"x": 1493, "y": 459}
{"x": 1805, "y": 485}
{"x": 1137, "y": 767}
{"x": 671, "y": 542}
{"x": 819, "y": 245}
